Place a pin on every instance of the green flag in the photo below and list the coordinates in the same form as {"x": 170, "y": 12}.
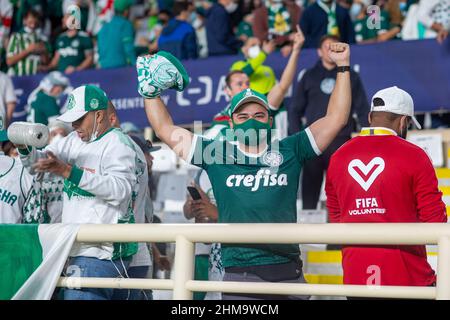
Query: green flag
{"x": 32, "y": 258}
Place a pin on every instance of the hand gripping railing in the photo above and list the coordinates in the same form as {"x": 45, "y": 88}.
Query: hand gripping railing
{"x": 185, "y": 235}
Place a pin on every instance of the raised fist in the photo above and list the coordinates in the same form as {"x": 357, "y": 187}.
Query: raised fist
{"x": 339, "y": 52}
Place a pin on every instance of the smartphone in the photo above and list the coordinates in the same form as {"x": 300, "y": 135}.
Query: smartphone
{"x": 194, "y": 193}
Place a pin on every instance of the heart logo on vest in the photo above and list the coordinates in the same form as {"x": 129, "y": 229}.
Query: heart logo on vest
{"x": 370, "y": 171}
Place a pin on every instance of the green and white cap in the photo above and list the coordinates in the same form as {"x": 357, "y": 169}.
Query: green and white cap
{"x": 246, "y": 96}
{"x": 82, "y": 100}
{"x": 159, "y": 72}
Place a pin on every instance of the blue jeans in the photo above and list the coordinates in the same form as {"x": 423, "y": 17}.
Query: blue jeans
{"x": 93, "y": 267}
{"x": 134, "y": 294}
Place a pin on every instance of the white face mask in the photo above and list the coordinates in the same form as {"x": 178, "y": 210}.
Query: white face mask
{"x": 231, "y": 7}
{"x": 94, "y": 130}
{"x": 197, "y": 23}
{"x": 254, "y": 51}
{"x": 28, "y": 29}
{"x": 57, "y": 138}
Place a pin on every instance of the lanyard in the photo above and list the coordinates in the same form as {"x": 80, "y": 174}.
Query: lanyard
{"x": 377, "y": 132}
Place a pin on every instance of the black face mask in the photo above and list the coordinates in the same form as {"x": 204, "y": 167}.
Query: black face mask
{"x": 403, "y": 133}
{"x": 162, "y": 21}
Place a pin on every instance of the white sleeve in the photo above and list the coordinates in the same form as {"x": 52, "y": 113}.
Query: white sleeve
{"x": 10, "y": 96}
{"x": 29, "y": 157}
{"x": 60, "y": 149}
{"x": 424, "y": 12}
{"x": 117, "y": 179}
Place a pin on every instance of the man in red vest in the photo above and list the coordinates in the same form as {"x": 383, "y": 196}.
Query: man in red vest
{"x": 380, "y": 177}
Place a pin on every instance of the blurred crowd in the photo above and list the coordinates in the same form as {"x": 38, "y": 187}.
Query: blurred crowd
{"x": 74, "y": 35}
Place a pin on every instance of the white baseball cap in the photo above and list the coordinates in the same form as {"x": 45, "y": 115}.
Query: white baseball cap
{"x": 82, "y": 100}
{"x": 394, "y": 100}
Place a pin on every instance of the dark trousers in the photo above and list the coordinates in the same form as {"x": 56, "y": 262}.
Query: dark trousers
{"x": 313, "y": 174}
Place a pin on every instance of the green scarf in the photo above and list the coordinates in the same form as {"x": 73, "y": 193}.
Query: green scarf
{"x": 332, "y": 28}
{"x": 279, "y": 20}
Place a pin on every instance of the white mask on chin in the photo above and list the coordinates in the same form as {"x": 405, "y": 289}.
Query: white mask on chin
{"x": 232, "y": 7}
{"x": 254, "y": 51}
{"x": 94, "y": 130}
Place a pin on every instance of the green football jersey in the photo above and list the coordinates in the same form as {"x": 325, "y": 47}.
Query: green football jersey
{"x": 255, "y": 189}
{"x": 43, "y": 108}
{"x": 73, "y": 50}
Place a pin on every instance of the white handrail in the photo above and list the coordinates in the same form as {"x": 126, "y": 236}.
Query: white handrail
{"x": 184, "y": 235}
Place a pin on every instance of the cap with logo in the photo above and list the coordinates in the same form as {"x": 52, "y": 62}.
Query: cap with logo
{"x": 82, "y": 100}
{"x": 394, "y": 100}
{"x": 145, "y": 145}
{"x": 246, "y": 96}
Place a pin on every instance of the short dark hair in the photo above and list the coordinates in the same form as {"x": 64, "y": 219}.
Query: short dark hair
{"x": 166, "y": 12}
{"x": 230, "y": 75}
{"x": 328, "y": 37}
{"x": 33, "y": 13}
{"x": 179, "y": 7}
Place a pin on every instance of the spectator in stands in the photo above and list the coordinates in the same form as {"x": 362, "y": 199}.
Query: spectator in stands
{"x": 74, "y": 49}
{"x": 262, "y": 78}
{"x": 257, "y": 201}
{"x": 6, "y": 14}
{"x": 310, "y": 101}
{"x": 434, "y": 19}
{"x": 245, "y": 31}
{"x": 20, "y": 9}
{"x": 326, "y": 17}
{"x": 7, "y": 101}
{"x": 27, "y": 48}
{"x": 116, "y": 39}
{"x": 100, "y": 180}
{"x": 379, "y": 177}
{"x": 15, "y": 182}
{"x": 42, "y": 104}
{"x": 221, "y": 40}
{"x": 277, "y": 22}
{"x": 179, "y": 37}
{"x": 141, "y": 263}
{"x": 238, "y": 80}
{"x": 365, "y": 30}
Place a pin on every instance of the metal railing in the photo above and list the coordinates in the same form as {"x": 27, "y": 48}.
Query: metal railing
{"x": 185, "y": 235}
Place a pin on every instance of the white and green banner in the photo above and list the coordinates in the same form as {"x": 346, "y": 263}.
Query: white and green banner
{"x": 32, "y": 258}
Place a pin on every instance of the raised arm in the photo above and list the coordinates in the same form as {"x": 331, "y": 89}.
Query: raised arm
{"x": 277, "y": 94}
{"x": 178, "y": 139}
{"x": 326, "y": 129}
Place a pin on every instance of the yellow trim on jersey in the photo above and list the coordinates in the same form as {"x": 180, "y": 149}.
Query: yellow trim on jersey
{"x": 377, "y": 132}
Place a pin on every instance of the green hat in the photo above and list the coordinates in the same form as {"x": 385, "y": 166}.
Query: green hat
{"x": 82, "y": 100}
{"x": 245, "y": 96}
{"x": 159, "y": 72}
{"x": 122, "y": 5}
{"x": 3, "y": 136}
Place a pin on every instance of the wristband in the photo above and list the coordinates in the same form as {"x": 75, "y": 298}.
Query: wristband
{"x": 343, "y": 68}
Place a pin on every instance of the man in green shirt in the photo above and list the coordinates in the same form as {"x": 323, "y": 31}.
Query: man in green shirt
{"x": 74, "y": 50}
{"x": 115, "y": 39}
{"x": 42, "y": 105}
{"x": 254, "y": 180}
